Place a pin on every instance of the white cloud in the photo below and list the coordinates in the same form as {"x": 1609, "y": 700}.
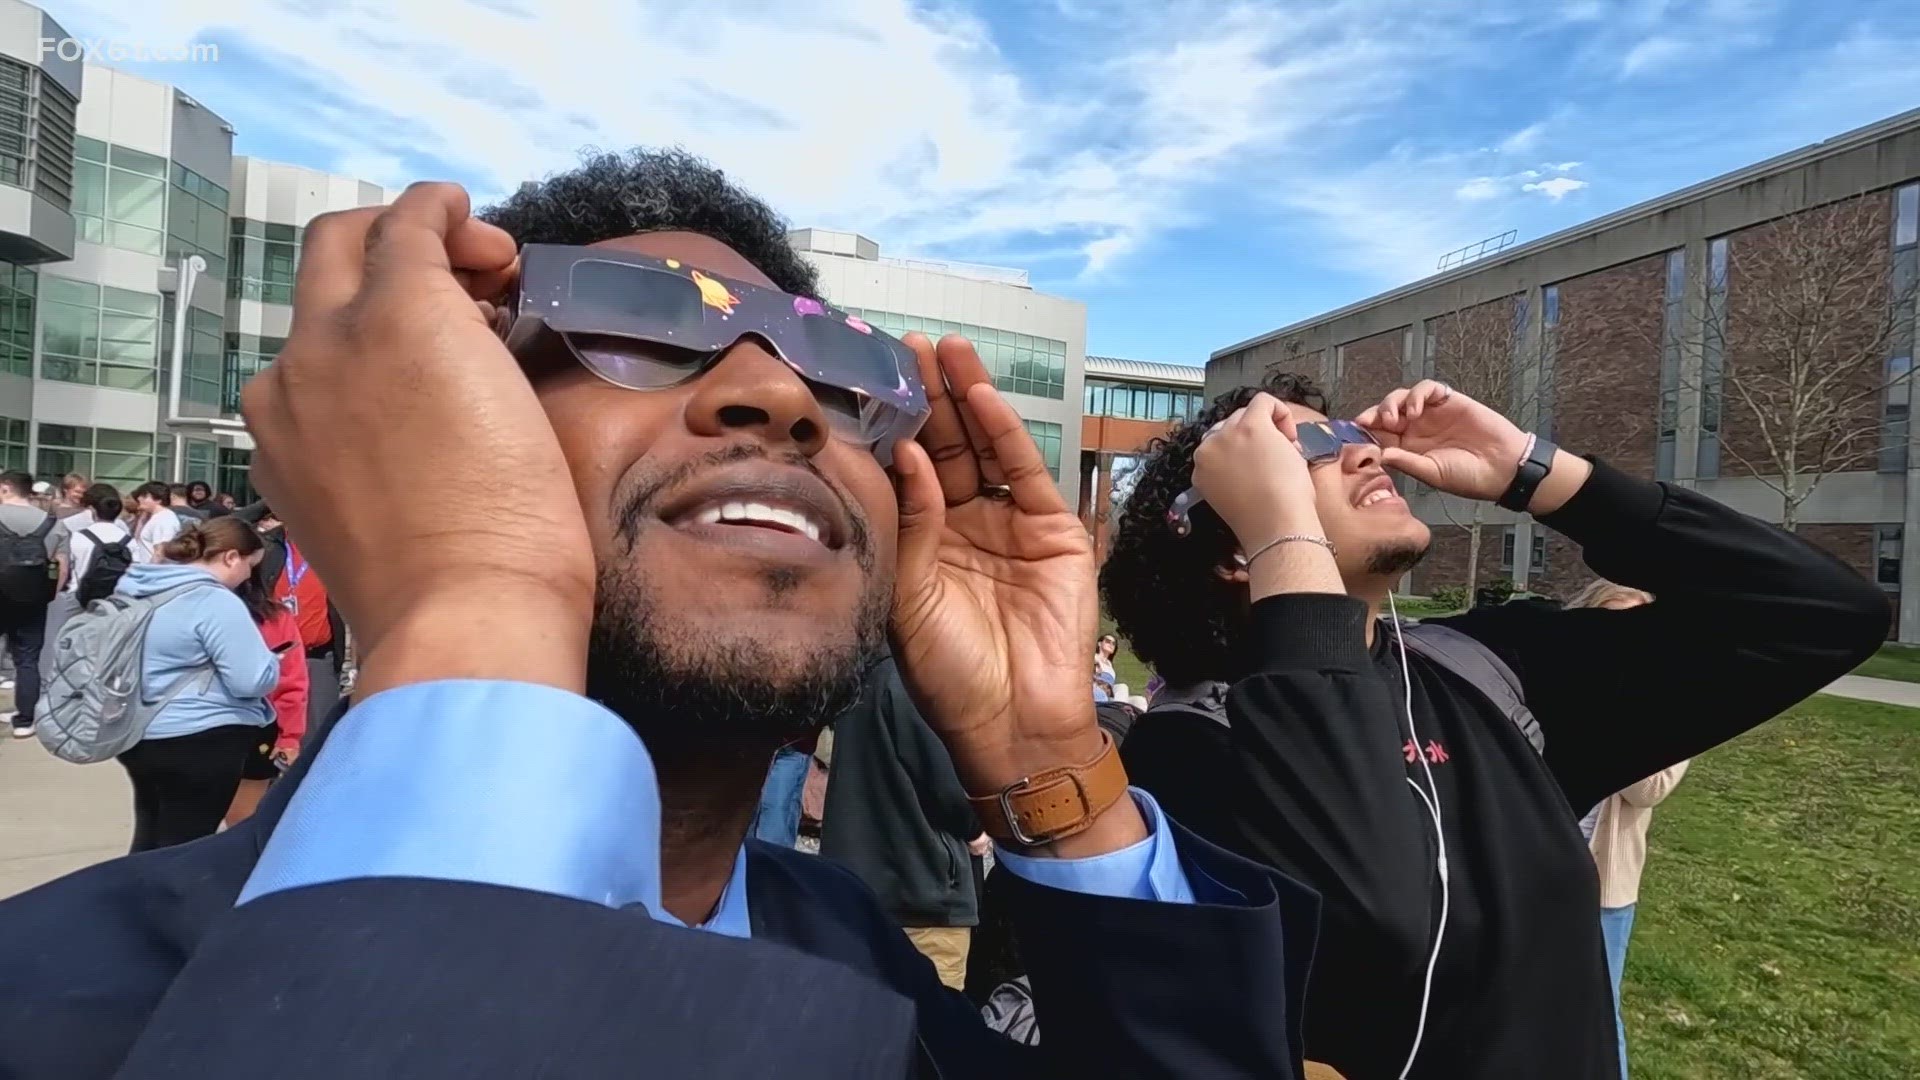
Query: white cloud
{"x": 1556, "y": 189}
{"x": 1564, "y": 166}
{"x": 1652, "y": 54}
{"x": 1523, "y": 140}
{"x": 1480, "y": 188}
{"x": 894, "y": 117}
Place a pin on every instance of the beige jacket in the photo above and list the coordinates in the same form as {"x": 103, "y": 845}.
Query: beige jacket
{"x": 1620, "y": 835}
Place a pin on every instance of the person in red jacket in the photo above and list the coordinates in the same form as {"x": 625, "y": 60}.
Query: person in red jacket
{"x": 280, "y": 743}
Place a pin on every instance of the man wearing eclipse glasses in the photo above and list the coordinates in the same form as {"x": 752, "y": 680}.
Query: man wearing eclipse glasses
{"x": 1429, "y": 783}
{"x": 738, "y": 494}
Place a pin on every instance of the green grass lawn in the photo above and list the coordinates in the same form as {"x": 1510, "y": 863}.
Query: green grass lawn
{"x": 1901, "y": 662}
{"x": 1778, "y": 919}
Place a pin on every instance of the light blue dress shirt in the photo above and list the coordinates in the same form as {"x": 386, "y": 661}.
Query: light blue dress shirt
{"x": 573, "y": 812}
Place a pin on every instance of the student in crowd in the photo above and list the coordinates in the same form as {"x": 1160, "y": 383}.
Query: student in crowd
{"x": 32, "y": 543}
{"x": 73, "y": 490}
{"x": 1458, "y": 936}
{"x": 295, "y": 584}
{"x": 200, "y": 497}
{"x": 181, "y": 504}
{"x": 155, "y": 521}
{"x": 1103, "y": 652}
{"x": 80, "y": 580}
{"x": 705, "y": 553}
{"x": 202, "y": 648}
{"x": 897, "y": 816}
{"x": 226, "y": 502}
{"x": 1619, "y": 829}
{"x": 278, "y": 745}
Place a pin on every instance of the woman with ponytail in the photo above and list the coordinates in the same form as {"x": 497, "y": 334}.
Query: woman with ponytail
{"x": 203, "y": 653}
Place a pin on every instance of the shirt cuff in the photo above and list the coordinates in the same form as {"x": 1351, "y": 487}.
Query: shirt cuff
{"x": 422, "y": 781}
{"x": 1148, "y": 870}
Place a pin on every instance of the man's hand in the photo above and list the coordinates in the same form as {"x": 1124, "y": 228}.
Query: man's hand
{"x": 1252, "y": 473}
{"x": 995, "y": 604}
{"x": 392, "y": 373}
{"x": 1447, "y": 440}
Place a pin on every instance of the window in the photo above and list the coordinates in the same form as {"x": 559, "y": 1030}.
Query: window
{"x": 1019, "y": 364}
{"x": 1137, "y": 401}
{"x": 264, "y": 255}
{"x": 1671, "y": 332}
{"x": 197, "y": 220}
{"x": 125, "y": 459}
{"x": 17, "y": 287}
{"x": 1549, "y": 353}
{"x": 202, "y": 461}
{"x": 236, "y": 474}
{"x": 119, "y": 196}
{"x": 36, "y": 132}
{"x": 1903, "y": 287}
{"x": 247, "y": 356}
{"x": 1047, "y": 437}
{"x": 13, "y": 444}
{"x": 1536, "y": 556}
{"x": 98, "y": 335}
{"x": 1713, "y": 351}
{"x": 1888, "y": 548}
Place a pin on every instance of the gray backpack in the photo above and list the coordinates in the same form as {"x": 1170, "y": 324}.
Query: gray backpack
{"x": 93, "y": 707}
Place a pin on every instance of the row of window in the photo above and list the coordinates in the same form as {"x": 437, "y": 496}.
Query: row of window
{"x": 247, "y": 356}
{"x": 1140, "y": 401}
{"x": 125, "y": 459}
{"x": 264, "y": 255}
{"x": 1906, "y": 282}
{"x": 1019, "y": 363}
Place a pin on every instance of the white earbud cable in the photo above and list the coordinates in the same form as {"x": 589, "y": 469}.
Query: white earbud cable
{"x": 1430, "y": 798}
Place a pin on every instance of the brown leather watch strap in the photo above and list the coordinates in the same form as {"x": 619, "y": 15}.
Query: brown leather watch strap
{"x": 1055, "y": 804}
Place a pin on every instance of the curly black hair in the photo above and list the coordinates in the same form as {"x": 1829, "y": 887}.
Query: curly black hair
{"x": 1181, "y": 618}
{"x": 610, "y": 195}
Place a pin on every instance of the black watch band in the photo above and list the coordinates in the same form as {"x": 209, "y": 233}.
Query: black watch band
{"x": 1534, "y": 468}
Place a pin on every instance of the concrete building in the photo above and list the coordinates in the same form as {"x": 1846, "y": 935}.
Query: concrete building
{"x": 111, "y": 184}
{"x": 1033, "y": 343}
{"x": 1124, "y": 405}
{"x": 1622, "y": 333}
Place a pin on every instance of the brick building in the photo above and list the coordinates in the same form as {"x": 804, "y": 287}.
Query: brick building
{"x": 1669, "y": 337}
{"x": 1125, "y": 403}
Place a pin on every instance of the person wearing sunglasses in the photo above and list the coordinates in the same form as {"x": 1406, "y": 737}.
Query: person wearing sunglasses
{"x": 1432, "y": 797}
{"x": 728, "y": 497}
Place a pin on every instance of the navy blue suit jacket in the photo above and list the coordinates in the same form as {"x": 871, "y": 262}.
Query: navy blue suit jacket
{"x": 142, "y": 968}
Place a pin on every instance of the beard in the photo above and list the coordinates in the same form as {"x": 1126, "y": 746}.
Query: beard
{"x": 1395, "y": 558}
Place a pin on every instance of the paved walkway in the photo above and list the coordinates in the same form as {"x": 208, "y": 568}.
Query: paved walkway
{"x": 56, "y": 818}
{"x": 1885, "y": 691}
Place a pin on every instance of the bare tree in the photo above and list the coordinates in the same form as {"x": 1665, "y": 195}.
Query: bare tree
{"x": 1478, "y": 351}
{"x": 1484, "y": 352}
{"x": 1800, "y": 323}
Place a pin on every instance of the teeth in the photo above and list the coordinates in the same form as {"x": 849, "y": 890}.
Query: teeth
{"x": 762, "y": 514}
{"x": 1379, "y": 496}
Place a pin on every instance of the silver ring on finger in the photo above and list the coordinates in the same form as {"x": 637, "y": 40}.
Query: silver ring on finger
{"x": 997, "y": 491}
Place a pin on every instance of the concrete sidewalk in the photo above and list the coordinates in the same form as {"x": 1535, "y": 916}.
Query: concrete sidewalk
{"x": 56, "y": 818}
{"x": 1885, "y": 691}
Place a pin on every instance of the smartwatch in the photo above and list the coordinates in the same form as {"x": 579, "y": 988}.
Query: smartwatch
{"x": 1535, "y": 464}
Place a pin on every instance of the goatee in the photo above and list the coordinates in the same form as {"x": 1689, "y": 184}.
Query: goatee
{"x": 1392, "y": 560}
{"x": 691, "y": 695}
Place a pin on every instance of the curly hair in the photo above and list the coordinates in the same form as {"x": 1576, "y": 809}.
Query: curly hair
{"x": 1181, "y": 618}
{"x": 610, "y": 195}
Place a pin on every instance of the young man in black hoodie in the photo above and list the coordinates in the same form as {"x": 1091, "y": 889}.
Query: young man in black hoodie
{"x": 1481, "y": 956}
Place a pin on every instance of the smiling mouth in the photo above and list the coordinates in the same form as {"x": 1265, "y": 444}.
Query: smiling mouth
{"x": 1378, "y": 496}
{"x": 758, "y": 515}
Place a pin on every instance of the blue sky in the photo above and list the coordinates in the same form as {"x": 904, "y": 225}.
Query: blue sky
{"x": 1197, "y": 172}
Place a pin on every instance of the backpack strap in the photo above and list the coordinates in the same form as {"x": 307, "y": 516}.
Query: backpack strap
{"x": 1467, "y": 657}
{"x": 46, "y": 526}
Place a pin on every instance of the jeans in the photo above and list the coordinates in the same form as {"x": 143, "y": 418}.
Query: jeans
{"x": 778, "y": 821}
{"x": 26, "y": 630}
{"x": 1616, "y": 925}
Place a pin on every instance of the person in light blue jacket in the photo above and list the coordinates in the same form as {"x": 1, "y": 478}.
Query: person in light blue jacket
{"x": 204, "y": 644}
